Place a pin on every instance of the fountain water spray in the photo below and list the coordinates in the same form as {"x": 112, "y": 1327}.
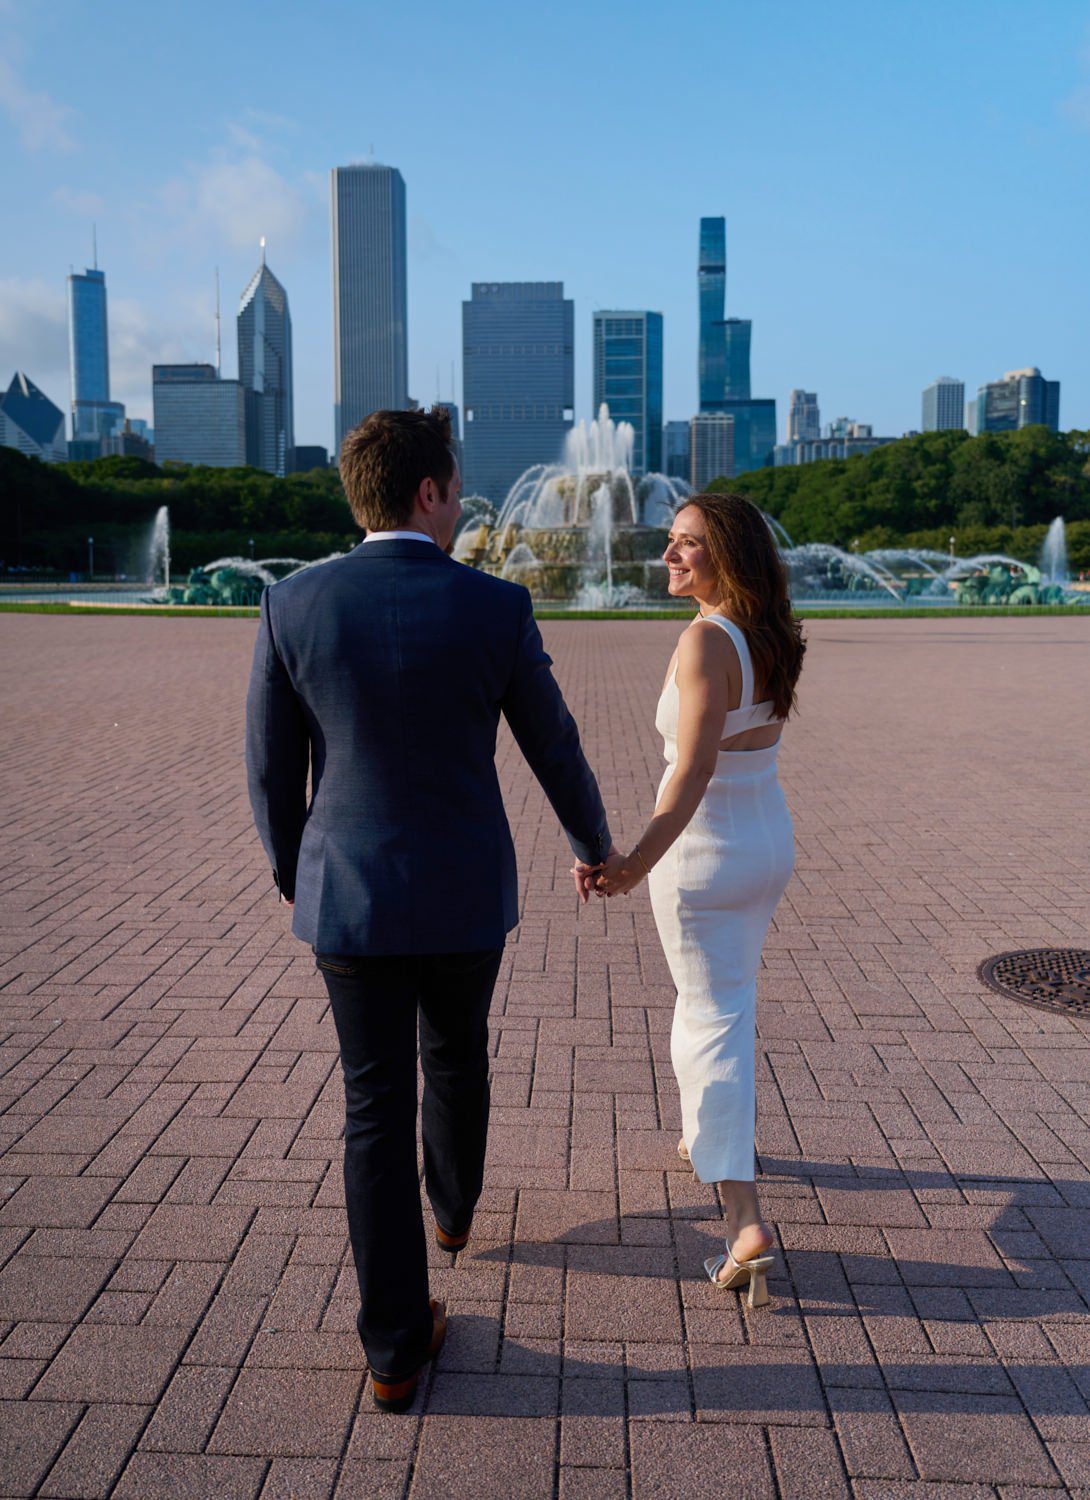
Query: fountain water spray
{"x": 1054, "y": 554}
{"x": 159, "y": 547}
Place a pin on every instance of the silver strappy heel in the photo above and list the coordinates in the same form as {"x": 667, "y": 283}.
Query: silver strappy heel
{"x": 740, "y": 1272}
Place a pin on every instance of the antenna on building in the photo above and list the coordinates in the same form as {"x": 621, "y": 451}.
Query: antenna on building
{"x": 94, "y": 246}
{"x": 453, "y": 392}
{"x": 438, "y": 398}
{"x": 262, "y": 249}
{"x": 217, "y": 321}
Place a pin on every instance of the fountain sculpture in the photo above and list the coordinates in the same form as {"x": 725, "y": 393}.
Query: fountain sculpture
{"x": 584, "y": 530}
{"x": 233, "y": 581}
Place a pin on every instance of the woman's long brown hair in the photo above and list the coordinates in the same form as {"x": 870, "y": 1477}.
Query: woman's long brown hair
{"x": 753, "y": 591}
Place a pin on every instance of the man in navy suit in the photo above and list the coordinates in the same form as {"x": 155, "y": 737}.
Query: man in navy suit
{"x": 384, "y": 674}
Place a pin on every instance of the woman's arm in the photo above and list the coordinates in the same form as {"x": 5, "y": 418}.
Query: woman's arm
{"x": 704, "y": 670}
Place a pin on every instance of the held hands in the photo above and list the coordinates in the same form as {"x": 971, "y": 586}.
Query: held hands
{"x": 620, "y": 874}
{"x": 616, "y": 876}
{"x": 585, "y": 875}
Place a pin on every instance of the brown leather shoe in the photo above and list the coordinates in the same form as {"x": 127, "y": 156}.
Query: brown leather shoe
{"x": 452, "y": 1243}
{"x": 397, "y": 1395}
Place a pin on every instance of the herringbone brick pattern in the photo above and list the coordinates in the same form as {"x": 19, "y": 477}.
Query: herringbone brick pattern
{"x": 176, "y": 1301}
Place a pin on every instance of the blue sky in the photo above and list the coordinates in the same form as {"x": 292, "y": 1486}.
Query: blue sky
{"x": 905, "y": 186}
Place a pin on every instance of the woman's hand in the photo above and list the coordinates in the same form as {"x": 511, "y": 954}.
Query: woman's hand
{"x": 620, "y": 874}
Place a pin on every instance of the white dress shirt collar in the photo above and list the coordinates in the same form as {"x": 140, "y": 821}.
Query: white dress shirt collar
{"x": 400, "y": 536}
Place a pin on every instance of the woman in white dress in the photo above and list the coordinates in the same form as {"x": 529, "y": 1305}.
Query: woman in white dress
{"x": 719, "y": 850}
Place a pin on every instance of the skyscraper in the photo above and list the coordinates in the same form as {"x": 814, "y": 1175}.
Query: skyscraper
{"x": 754, "y": 431}
{"x": 724, "y": 358}
{"x": 264, "y": 369}
{"x": 1023, "y": 398}
{"x": 737, "y": 334}
{"x": 370, "y": 314}
{"x": 711, "y": 279}
{"x": 628, "y": 378}
{"x": 711, "y": 448}
{"x": 94, "y": 415}
{"x": 30, "y": 422}
{"x": 1038, "y": 400}
{"x": 518, "y": 380}
{"x": 803, "y": 417}
{"x": 676, "y": 444}
{"x": 199, "y": 418}
{"x": 943, "y": 405}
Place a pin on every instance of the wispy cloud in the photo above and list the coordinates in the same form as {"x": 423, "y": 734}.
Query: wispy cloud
{"x": 236, "y": 195}
{"x": 42, "y": 123}
{"x": 266, "y": 119}
{"x": 79, "y": 201}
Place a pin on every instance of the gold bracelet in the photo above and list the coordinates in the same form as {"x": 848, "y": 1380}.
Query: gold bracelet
{"x": 643, "y": 862}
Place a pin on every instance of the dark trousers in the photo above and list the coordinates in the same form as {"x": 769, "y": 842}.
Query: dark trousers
{"x": 376, "y": 1001}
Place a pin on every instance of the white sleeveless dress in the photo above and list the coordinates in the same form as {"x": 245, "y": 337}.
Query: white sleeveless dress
{"x": 713, "y": 895}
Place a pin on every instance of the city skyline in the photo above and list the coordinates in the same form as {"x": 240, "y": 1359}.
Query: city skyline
{"x": 862, "y": 295}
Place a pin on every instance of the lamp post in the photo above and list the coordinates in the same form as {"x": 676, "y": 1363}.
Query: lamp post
{"x": 90, "y": 559}
{"x": 953, "y": 543}
{"x": 251, "y": 549}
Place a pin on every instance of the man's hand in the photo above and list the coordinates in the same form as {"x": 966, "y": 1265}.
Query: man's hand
{"x": 620, "y": 874}
{"x": 584, "y": 876}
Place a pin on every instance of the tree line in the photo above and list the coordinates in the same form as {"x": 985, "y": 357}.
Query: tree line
{"x": 48, "y": 511}
{"x": 994, "y": 492}
{"x": 997, "y": 492}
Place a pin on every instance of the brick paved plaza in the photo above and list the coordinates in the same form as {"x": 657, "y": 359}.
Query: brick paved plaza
{"x": 176, "y": 1298}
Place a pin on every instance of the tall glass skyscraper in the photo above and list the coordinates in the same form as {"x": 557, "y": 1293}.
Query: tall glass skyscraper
{"x": 93, "y": 413}
{"x": 370, "y": 311}
{"x": 628, "y": 378}
{"x": 943, "y": 406}
{"x": 518, "y": 380}
{"x": 724, "y": 358}
{"x": 676, "y": 454}
{"x": 737, "y": 333}
{"x": 712, "y": 293}
{"x": 264, "y": 368}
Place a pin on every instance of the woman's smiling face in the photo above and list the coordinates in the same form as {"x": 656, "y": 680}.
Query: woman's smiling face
{"x": 687, "y": 558}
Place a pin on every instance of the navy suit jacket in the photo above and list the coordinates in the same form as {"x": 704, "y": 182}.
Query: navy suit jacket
{"x": 384, "y": 674}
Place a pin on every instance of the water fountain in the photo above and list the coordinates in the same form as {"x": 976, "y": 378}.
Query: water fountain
{"x": 1053, "y": 562}
{"x": 586, "y": 533}
{"x": 583, "y": 530}
{"x": 159, "y": 548}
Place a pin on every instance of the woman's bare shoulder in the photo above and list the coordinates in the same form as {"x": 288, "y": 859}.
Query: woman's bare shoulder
{"x": 705, "y": 646}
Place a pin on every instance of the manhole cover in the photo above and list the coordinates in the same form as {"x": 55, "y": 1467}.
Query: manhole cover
{"x": 1049, "y": 978}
